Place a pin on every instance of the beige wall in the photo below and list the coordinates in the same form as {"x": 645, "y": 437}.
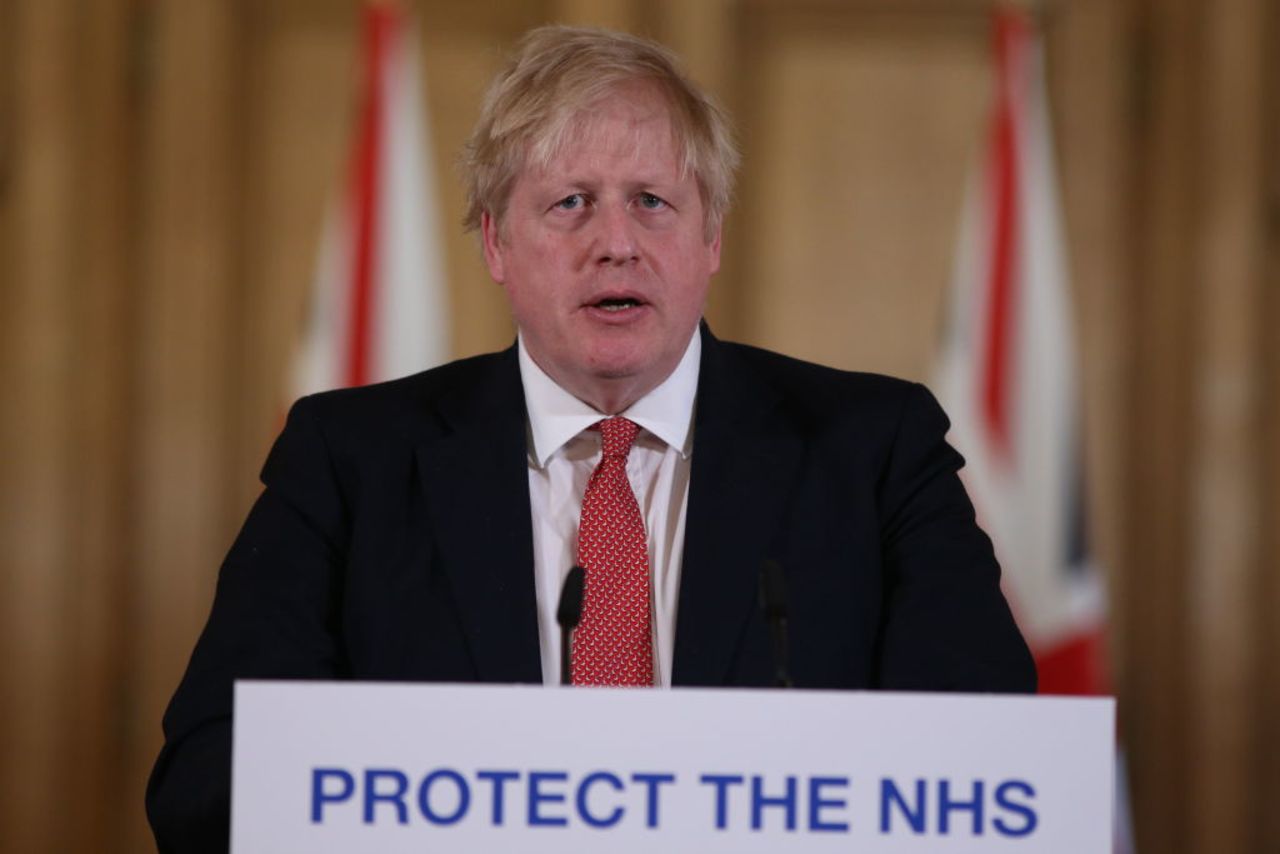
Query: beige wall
{"x": 163, "y": 172}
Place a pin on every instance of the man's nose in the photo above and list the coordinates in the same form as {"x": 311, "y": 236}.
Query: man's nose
{"x": 615, "y": 236}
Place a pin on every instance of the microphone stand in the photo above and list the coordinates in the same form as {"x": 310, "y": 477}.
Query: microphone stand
{"x": 773, "y": 602}
{"x": 568, "y": 615}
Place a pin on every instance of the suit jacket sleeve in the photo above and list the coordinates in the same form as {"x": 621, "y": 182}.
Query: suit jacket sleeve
{"x": 273, "y": 616}
{"x": 947, "y": 625}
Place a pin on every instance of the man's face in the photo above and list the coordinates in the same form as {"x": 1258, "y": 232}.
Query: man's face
{"x": 603, "y": 254}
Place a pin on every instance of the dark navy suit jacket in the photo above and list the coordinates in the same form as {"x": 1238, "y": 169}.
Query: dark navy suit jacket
{"x": 393, "y": 541}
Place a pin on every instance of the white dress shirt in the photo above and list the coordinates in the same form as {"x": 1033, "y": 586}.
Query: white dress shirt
{"x": 562, "y": 455}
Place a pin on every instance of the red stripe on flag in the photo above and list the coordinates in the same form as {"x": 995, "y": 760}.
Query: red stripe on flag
{"x": 1074, "y": 666}
{"x": 380, "y": 22}
{"x": 1004, "y": 174}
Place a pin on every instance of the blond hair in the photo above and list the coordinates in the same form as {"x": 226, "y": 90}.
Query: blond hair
{"x": 557, "y": 75}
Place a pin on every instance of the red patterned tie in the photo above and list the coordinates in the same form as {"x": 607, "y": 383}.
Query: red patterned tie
{"x": 613, "y": 645}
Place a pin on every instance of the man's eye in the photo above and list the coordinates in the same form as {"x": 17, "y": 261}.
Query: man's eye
{"x": 571, "y": 203}
{"x": 651, "y": 202}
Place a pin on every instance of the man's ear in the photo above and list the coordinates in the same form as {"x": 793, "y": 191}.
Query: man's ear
{"x": 491, "y": 240}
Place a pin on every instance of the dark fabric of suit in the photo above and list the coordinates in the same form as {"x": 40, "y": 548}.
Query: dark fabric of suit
{"x": 393, "y": 541}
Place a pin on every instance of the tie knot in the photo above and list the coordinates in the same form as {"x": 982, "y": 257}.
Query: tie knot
{"x": 616, "y": 435}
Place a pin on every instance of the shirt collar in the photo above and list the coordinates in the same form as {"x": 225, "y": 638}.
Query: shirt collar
{"x": 556, "y": 416}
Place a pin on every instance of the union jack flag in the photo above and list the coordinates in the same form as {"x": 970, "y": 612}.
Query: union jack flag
{"x": 377, "y": 308}
{"x": 1007, "y": 378}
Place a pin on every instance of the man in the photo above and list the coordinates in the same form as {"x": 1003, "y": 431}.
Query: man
{"x": 420, "y": 529}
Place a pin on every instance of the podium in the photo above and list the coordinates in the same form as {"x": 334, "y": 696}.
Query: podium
{"x": 389, "y": 768}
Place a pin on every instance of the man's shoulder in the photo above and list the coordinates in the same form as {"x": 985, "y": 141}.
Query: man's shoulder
{"x": 818, "y": 387}
{"x": 405, "y": 403}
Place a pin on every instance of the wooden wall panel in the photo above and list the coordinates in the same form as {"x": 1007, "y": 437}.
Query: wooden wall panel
{"x": 1227, "y": 537}
{"x": 1266, "y": 702}
{"x": 701, "y": 33}
{"x": 1158, "y": 436}
{"x": 302, "y": 62}
{"x": 64, "y": 195}
{"x": 858, "y": 139}
{"x": 615, "y": 14}
{"x": 1198, "y": 494}
{"x": 97, "y": 694}
{"x": 188, "y": 268}
{"x": 707, "y": 36}
{"x": 37, "y": 368}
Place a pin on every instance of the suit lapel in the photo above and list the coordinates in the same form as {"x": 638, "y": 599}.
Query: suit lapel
{"x": 744, "y": 463}
{"x": 475, "y": 476}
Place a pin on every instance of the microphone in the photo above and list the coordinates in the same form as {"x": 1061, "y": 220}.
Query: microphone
{"x": 568, "y": 614}
{"x": 773, "y": 602}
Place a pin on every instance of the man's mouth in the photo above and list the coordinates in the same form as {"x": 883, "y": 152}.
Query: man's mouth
{"x": 617, "y": 303}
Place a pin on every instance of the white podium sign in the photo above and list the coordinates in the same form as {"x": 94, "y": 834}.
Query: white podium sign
{"x": 360, "y": 767}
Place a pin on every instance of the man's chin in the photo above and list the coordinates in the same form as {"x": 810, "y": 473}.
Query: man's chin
{"x": 644, "y": 362}
{"x": 617, "y": 359}
{"x": 617, "y": 371}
